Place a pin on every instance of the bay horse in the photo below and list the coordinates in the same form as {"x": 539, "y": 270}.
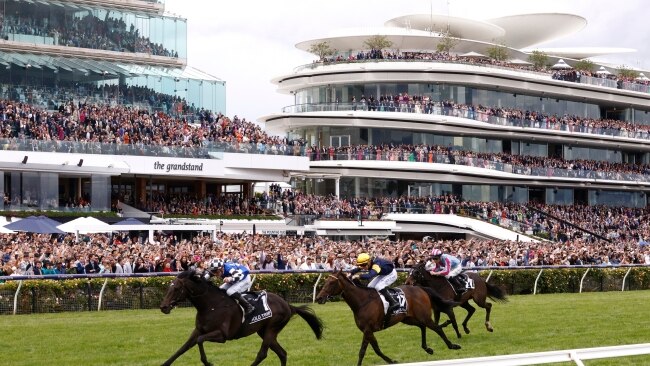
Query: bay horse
{"x": 481, "y": 291}
{"x": 219, "y": 318}
{"x": 368, "y": 311}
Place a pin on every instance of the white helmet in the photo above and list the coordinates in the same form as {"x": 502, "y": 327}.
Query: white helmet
{"x": 215, "y": 264}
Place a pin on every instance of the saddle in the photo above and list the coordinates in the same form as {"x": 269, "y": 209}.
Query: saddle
{"x": 461, "y": 283}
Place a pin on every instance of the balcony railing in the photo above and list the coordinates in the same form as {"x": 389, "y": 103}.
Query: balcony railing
{"x": 208, "y": 150}
{"x": 466, "y": 113}
{"x": 642, "y": 88}
{"x": 450, "y": 158}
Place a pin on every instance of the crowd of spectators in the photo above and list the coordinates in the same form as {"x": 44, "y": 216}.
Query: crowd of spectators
{"x": 127, "y": 125}
{"x": 557, "y": 74}
{"x": 27, "y": 254}
{"x": 88, "y": 31}
{"x": 520, "y": 164}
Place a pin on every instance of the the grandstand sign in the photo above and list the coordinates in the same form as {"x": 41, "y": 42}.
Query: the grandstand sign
{"x": 177, "y": 167}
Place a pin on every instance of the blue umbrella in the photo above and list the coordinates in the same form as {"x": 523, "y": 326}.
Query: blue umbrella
{"x": 129, "y": 221}
{"x": 34, "y": 224}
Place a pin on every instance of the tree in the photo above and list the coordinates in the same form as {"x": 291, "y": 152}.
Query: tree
{"x": 322, "y": 49}
{"x": 539, "y": 59}
{"x": 498, "y": 52}
{"x": 584, "y": 65}
{"x": 627, "y": 73}
{"x": 378, "y": 43}
{"x": 446, "y": 43}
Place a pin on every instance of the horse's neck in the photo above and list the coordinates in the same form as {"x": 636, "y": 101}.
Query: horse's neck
{"x": 206, "y": 295}
{"x": 355, "y": 297}
{"x": 435, "y": 282}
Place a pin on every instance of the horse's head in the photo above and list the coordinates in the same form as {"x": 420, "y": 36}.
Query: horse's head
{"x": 332, "y": 287}
{"x": 416, "y": 275}
{"x": 179, "y": 290}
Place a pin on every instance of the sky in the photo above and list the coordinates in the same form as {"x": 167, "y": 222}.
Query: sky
{"x": 249, "y": 42}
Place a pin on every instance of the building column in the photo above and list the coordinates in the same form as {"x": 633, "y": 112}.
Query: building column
{"x": 337, "y": 187}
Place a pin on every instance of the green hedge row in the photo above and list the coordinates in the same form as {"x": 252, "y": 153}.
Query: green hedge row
{"x": 51, "y": 296}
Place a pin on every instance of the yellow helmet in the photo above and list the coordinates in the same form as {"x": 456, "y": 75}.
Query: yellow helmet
{"x": 363, "y": 258}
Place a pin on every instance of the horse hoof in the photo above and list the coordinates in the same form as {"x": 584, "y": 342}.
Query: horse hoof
{"x": 454, "y": 346}
{"x": 466, "y": 330}
{"x": 392, "y": 362}
{"x": 429, "y": 350}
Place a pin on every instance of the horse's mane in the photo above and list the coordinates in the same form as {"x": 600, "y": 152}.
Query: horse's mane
{"x": 193, "y": 275}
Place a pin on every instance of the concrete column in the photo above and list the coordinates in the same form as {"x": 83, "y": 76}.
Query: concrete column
{"x": 337, "y": 187}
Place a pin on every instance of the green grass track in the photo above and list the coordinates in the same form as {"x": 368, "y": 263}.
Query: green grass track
{"x": 531, "y": 323}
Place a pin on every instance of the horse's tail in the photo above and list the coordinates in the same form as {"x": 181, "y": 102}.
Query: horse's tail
{"x": 438, "y": 302}
{"x": 307, "y": 313}
{"x": 496, "y": 293}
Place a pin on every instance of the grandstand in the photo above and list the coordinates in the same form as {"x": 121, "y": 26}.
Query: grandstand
{"x": 431, "y": 112}
{"x": 99, "y": 107}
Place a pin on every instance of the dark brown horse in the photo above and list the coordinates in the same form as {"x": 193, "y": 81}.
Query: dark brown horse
{"x": 481, "y": 291}
{"x": 219, "y": 318}
{"x": 368, "y": 311}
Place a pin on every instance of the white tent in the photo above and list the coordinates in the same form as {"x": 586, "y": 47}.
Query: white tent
{"x": 561, "y": 65}
{"x": 516, "y": 61}
{"x": 473, "y": 54}
{"x": 642, "y": 77}
{"x": 603, "y": 71}
{"x": 85, "y": 225}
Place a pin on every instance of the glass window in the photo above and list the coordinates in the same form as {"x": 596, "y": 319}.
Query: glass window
{"x": 100, "y": 193}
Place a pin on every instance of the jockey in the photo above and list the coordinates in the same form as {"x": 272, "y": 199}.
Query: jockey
{"x": 382, "y": 274}
{"x": 448, "y": 266}
{"x": 236, "y": 280}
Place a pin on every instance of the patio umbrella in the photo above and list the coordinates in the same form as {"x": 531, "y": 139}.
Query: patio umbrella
{"x": 561, "y": 65}
{"x": 85, "y": 225}
{"x": 516, "y": 61}
{"x": 642, "y": 77}
{"x": 129, "y": 221}
{"x": 3, "y": 222}
{"x": 36, "y": 224}
{"x": 603, "y": 71}
{"x": 473, "y": 54}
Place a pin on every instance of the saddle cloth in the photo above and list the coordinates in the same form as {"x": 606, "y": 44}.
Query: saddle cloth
{"x": 259, "y": 301}
{"x": 398, "y": 294}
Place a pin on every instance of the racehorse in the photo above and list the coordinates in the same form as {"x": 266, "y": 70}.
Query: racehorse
{"x": 368, "y": 310}
{"x": 219, "y": 318}
{"x": 481, "y": 291}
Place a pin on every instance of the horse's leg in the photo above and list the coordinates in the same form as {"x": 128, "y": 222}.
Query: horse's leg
{"x": 188, "y": 344}
{"x": 282, "y": 354}
{"x": 369, "y": 337}
{"x": 204, "y": 358}
{"x": 488, "y": 309}
{"x": 423, "y": 335}
{"x": 362, "y": 350}
{"x": 269, "y": 337}
{"x": 451, "y": 320}
{"x": 436, "y": 328}
{"x": 214, "y": 336}
{"x": 470, "y": 311}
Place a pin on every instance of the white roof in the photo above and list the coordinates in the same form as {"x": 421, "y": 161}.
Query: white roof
{"x": 525, "y": 30}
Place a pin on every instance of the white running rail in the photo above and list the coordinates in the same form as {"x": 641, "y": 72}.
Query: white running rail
{"x": 538, "y": 358}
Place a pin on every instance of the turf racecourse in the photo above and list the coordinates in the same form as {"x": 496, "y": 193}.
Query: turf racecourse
{"x": 148, "y": 337}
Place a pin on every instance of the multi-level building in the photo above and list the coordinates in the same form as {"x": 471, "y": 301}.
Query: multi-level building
{"x": 81, "y": 78}
{"x": 452, "y": 105}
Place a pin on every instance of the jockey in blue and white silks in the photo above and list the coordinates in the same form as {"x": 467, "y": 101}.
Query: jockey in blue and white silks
{"x": 236, "y": 279}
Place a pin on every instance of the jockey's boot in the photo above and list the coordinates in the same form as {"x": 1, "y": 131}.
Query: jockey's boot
{"x": 459, "y": 285}
{"x": 392, "y": 304}
{"x": 248, "y": 308}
